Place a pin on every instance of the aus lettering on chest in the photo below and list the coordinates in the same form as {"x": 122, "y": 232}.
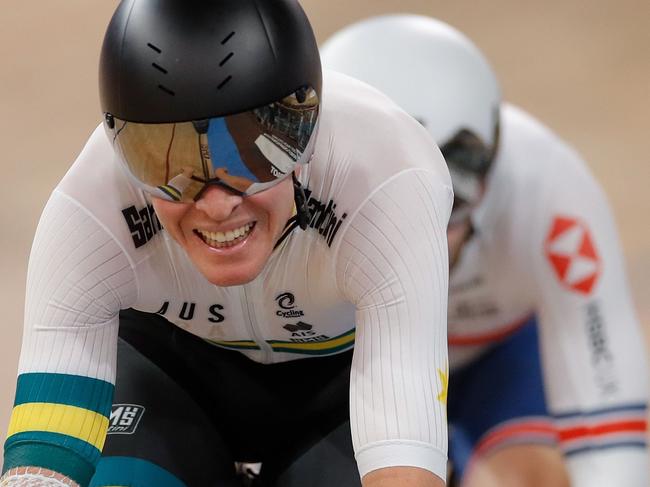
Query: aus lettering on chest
{"x": 187, "y": 311}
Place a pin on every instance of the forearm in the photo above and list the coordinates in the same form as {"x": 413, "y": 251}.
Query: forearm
{"x": 401, "y": 477}
{"x": 610, "y": 468}
{"x": 35, "y": 477}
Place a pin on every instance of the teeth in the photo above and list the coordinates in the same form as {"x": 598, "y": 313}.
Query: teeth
{"x": 225, "y": 239}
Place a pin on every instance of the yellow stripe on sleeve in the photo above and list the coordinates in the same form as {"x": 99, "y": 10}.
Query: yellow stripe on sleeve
{"x": 83, "y": 424}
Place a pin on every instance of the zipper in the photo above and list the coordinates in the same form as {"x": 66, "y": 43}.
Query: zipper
{"x": 252, "y": 329}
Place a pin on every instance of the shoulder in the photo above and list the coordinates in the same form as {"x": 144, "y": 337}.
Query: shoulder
{"x": 531, "y": 150}
{"x": 538, "y": 179}
{"x": 360, "y": 121}
{"x": 532, "y": 165}
{"x": 98, "y": 186}
{"x": 96, "y": 174}
{"x": 366, "y": 142}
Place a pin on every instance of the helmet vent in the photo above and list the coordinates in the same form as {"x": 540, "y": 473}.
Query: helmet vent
{"x": 159, "y": 68}
{"x": 166, "y": 90}
{"x": 224, "y": 82}
{"x": 226, "y": 59}
{"x": 157, "y": 49}
{"x": 227, "y": 38}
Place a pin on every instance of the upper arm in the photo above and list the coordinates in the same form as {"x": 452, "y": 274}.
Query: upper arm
{"x": 591, "y": 336}
{"x": 78, "y": 280}
{"x": 392, "y": 265}
{"x": 594, "y": 356}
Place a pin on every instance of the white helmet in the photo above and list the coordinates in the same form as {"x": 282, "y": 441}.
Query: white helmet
{"x": 434, "y": 73}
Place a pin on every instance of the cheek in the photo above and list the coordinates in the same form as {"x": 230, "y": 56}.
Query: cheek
{"x": 170, "y": 214}
{"x": 286, "y": 205}
{"x": 277, "y": 203}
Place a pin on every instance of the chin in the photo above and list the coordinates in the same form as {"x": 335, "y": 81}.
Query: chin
{"x": 226, "y": 281}
{"x": 222, "y": 276}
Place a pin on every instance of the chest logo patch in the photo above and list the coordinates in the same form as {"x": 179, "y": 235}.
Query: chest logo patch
{"x": 143, "y": 224}
{"x": 572, "y": 254}
{"x": 125, "y": 418}
{"x": 288, "y": 309}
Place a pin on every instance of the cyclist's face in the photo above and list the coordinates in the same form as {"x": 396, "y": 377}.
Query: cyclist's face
{"x": 229, "y": 238}
{"x": 460, "y": 224}
{"x": 457, "y": 234}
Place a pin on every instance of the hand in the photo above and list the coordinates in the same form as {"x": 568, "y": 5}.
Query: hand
{"x": 401, "y": 477}
{"x": 35, "y": 477}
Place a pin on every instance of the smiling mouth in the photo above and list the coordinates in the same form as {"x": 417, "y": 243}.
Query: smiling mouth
{"x": 222, "y": 240}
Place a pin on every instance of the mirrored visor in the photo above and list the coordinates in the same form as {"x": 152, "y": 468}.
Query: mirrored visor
{"x": 246, "y": 152}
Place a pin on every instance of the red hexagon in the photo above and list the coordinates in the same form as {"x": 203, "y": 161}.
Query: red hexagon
{"x": 571, "y": 251}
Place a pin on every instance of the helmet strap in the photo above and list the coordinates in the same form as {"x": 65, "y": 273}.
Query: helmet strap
{"x": 303, "y": 217}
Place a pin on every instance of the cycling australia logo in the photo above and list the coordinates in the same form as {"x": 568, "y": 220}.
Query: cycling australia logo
{"x": 124, "y": 419}
{"x": 286, "y": 303}
{"x": 570, "y": 249}
{"x": 301, "y": 332}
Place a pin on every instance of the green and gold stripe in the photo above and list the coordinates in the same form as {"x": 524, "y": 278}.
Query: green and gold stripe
{"x": 323, "y": 347}
{"x": 52, "y": 457}
{"x": 59, "y": 421}
{"x": 72, "y": 390}
{"x": 66, "y": 420}
{"x": 235, "y": 344}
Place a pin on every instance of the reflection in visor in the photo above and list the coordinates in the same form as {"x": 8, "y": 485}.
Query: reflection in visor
{"x": 247, "y": 152}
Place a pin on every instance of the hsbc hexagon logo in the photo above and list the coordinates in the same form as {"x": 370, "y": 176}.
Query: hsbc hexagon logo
{"x": 571, "y": 251}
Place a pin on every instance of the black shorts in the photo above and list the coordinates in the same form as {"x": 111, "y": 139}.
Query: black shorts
{"x": 192, "y": 409}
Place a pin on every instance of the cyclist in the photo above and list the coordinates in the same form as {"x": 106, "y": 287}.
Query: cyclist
{"x": 535, "y": 260}
{"x": 288, "y": 288}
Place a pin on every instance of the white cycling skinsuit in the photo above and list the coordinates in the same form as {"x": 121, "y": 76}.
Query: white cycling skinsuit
{"x": 370, "y": 272}
{"x": 545, "y": 245}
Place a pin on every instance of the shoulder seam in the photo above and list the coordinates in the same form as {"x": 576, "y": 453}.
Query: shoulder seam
{"x": 363, "y": 203}
{"x": 132, "y": 264}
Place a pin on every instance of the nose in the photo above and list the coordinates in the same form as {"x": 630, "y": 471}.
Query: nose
{"x": 218, "y": 203}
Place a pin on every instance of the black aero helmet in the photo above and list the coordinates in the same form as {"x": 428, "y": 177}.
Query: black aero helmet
{"x": 201, "y": 91}
{"x": 181, "y": 60}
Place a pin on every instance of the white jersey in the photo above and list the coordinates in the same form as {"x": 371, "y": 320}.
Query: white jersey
{"x": 371, "y": 272}
{"x": 545, "y": 244}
